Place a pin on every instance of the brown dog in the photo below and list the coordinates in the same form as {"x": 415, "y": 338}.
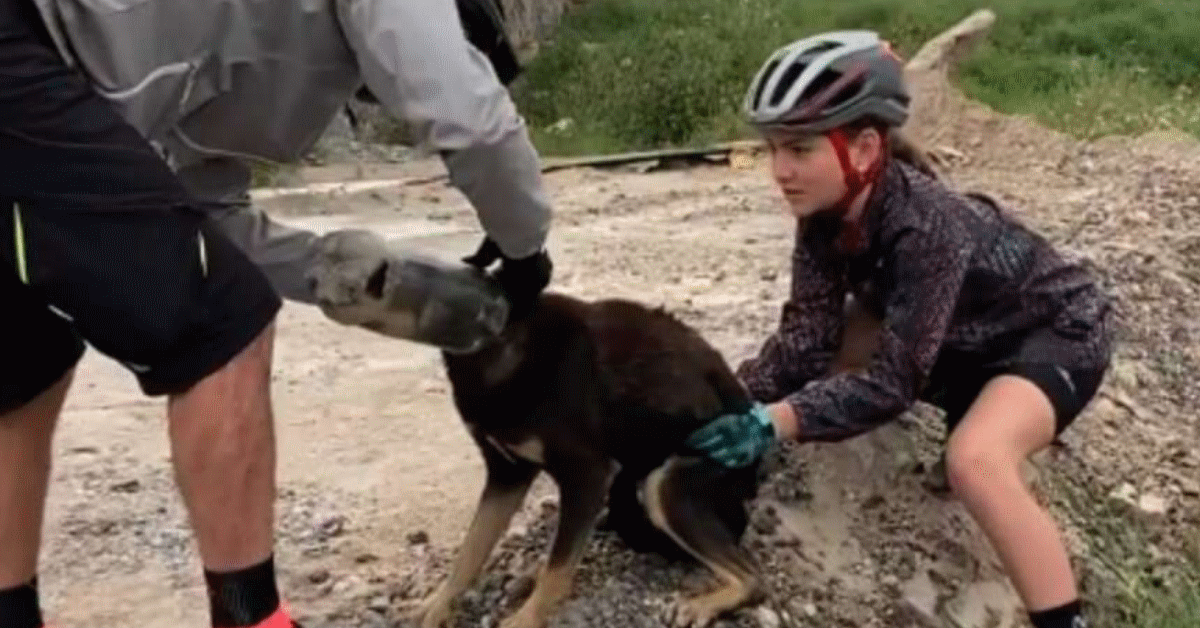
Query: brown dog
{"x": 602, "y": 395}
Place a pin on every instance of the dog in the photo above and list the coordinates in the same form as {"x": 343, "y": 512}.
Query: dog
{"x": 601, "y": 395}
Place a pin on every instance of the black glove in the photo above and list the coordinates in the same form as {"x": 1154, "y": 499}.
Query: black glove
{"x": 522, "y": 280}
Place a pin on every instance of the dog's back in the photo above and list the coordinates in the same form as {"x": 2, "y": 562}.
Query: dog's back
{"x": 661, "y": 380}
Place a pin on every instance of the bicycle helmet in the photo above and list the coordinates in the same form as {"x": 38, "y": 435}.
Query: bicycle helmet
{"x": 817, "y": 84}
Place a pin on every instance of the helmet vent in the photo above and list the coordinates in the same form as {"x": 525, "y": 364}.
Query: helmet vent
{"x": 758, "y": 93}
{"x": 823, "y": 81}
{"x": 823, "y": 47}
{"x": 789, "y": 77}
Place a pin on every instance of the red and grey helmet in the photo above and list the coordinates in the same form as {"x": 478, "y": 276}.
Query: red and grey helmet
{"x": 819, "y": 83}
{"x": 822, "y": 83}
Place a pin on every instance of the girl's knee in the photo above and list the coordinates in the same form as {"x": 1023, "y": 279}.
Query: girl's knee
{"x": 975, "y": 467}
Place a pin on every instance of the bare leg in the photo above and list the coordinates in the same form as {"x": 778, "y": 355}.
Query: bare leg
{"x": 25, "y": 438}
{"x": 223, "y": 441}
{"x": 1011, "y": 419}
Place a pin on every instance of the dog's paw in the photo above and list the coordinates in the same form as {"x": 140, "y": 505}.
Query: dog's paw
{"x": 433, "y": 612}
{"x": 691, "y": 613}
{"x": 525, "y": 617}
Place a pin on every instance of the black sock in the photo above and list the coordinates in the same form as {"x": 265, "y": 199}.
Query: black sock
{"x": 244, "y": 597}
{"x": 1068, "y": 615}
{"x": 19, "y": 607}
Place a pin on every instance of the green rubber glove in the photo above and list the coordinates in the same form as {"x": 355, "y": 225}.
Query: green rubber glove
{"x": 736, "y": 440}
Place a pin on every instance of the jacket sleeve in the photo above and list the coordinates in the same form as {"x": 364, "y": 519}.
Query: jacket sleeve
{"x": 929, "y": 267}
{"x": 803, "y": 346}
{"x": 415, "y": 58}
{"x": 284, "y": 253}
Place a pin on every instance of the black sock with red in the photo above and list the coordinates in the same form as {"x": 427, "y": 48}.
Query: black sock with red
{"x": 1069, "y": 615}
{"x": 246, "y": 597}
{"x": 20, "y": 608}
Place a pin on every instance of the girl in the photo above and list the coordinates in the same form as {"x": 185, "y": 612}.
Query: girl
{"x": 981, "y": 316}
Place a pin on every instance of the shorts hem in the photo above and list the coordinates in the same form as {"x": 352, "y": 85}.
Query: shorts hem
{"x": 33, "y": 385}
{"x": 198, "y": 362}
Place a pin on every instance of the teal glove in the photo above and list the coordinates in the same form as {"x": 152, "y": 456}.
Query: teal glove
{"x": 736, "y": 440}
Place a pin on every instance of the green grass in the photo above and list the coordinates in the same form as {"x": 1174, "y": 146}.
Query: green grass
{"x": 1147, "y": 603}
{"x": 1131, "y": 584}
{"x": 633, "y": 74}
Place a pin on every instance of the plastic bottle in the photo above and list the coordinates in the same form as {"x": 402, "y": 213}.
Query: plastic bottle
{"x": 449, "y": 305}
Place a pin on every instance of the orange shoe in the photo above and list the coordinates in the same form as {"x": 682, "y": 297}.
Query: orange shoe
{"x": 279, "y": 619}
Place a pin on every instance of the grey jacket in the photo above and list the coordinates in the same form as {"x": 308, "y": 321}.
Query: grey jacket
{"x": 214, "y": 83}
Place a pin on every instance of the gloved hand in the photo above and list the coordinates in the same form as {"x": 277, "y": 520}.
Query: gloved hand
{"x": 736, "y": 440}
{"x": 522, "y": 280}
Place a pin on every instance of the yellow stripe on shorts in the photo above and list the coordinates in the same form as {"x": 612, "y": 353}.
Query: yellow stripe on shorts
{"x": 19, "y": 244}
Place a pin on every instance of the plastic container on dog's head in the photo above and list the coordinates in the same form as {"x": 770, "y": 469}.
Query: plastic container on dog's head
{"x": 360, "y": 280}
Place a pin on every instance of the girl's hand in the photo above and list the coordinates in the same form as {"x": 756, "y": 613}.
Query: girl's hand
{"x": 738, "y": 440}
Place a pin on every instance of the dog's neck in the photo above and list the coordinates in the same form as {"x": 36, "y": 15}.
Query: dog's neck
{"x": 495, "y": 361}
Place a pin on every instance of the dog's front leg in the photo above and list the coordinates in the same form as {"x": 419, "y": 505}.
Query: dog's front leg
{"x": 507, "y": 484}
{"x": 582, "y": 487}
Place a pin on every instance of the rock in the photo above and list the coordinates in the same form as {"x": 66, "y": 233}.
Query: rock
{"x": 767, "y": 618}
{"x": 332, "y": 527}
{"x": 346, "y": 585}
{"x": 319, "y": 576}
{"x": 519, "y": 587}
{"x": 132, "y": 486}
{"x": 549, "y": 503}
{"x": 562, "y": 126}
{"x": 921, "y": 595}
{"x": 1152, "y": 506}
{"x": 1124, "y": 495}
{"x": 810, "y": 610}
{"x": 420, "y": 537}
{"x": 378, "y": 604}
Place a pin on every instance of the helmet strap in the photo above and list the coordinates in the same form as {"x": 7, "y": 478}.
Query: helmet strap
{"x": 853, "y": 236}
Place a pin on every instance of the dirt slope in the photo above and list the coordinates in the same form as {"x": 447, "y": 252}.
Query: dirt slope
{"x": 379, "y": 479}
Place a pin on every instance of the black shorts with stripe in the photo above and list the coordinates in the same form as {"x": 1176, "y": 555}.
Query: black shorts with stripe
{"x": 1041, "y": 357}
{"x": 99, "y": 243}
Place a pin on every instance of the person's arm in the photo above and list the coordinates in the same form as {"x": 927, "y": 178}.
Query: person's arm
{"x": 930, "y": 266}
{"x": 929, "y": 270}
{"x": 803, "y": 346}
{"x": 284, "y": 253}
{"x": 416, "y": 60}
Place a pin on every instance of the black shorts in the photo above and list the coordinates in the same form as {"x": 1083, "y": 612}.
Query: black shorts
{"x": 100, "y": 243}
{"x": 957, "y": 379}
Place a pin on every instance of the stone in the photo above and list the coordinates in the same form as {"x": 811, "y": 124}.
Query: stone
{"x": 1152, "y": 505}
{"x": 333, "y": 526}
{"x": 767, "y": 618}
{"x": 319, "y": 576}
{"x": 921, "y": 594}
